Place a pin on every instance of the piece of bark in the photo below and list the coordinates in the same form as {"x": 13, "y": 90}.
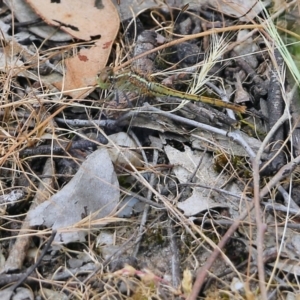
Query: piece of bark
{"x": 19, "y": 249}
{"x": 146, "y": 41}
{"x": 295, "y": 109}
{"x": 275, "y": 105}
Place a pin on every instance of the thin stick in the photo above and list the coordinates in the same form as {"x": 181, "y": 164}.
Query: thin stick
{"x": 33, "y": 267}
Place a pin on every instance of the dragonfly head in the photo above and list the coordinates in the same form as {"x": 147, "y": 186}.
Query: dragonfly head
{"x": 105, "y": 78}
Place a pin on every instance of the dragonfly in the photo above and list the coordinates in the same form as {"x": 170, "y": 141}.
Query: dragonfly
{"x": 132, "y": 81}
{"x": 136, "y": 80}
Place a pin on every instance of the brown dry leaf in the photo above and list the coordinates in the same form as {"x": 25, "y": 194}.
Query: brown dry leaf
{"x": 125, "y": 154}
{"x": 83, "y": 20}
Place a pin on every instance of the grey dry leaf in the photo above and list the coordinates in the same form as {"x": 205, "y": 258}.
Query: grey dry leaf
{"x": 94, "y": 188}
{"x": 245, "y": 11}
{"x": 14, "y": 57}
{"x": 24, "y": 13}
{"x": 52, "y": 294}
{"x": 184, "y": 166}
{"x": 288, "y": 266}
{"x": 249, "y": 46}
{"x": 130, "y": 8}
{"x": 19, "y": 293}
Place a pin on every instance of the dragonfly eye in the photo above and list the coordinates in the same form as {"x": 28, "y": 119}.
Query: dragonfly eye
{"x": 105, "y": 78}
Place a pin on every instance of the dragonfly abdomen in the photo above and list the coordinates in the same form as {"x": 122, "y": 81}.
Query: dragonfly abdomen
{"x": 161, "y": 90}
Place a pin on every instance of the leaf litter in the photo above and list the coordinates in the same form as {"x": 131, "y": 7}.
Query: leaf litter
{"x": 144, "y": 188}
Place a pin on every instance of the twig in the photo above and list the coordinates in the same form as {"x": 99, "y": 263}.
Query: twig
{"x": 175, "y": 255}
{"x": 142, "y": 199}
{"x": 192, "y": 176}
{"x": 288, "y": 200}
{"x": 280, "y": 207}
{"x": 235, "y": 136}
{"x": 285, "y": 116}
{"x": 139, "y": 146}
{"x": 222, "y": 191}
{"x": 147, "y": 207}
{"x": 261, "y": 229}
{"x": 284, "y": 172}
{"x": 83, "y": 123}
{"x": 203, "y": 111}
{"x": 202, "y": 273}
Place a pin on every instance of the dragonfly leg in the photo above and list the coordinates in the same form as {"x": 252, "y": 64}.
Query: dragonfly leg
{"x": 128, "y": 101}
{"x": 117, "y": 98}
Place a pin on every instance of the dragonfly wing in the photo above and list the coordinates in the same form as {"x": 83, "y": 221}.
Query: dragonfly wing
{"x": 146, "y": 41}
